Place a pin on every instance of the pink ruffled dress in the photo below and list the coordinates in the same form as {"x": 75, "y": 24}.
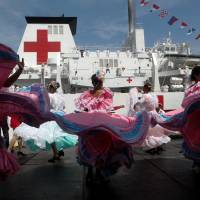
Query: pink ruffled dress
{"x": 8, "y": 60}
{"x": 191, "y": 128}
{"x": 87, "y": 101}
{"x": 101, "y": 148}
{"x": 8, "y": 164}
{"x": 157, "y": 135}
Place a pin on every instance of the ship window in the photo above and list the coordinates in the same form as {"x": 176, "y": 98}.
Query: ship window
{"x": 166, "y": 48}
{"x": 106, "y": 62}
{"x": 50, "y": 29}
{"x": 60, "y": 29}
{"x": 55, "y": 29}
{"x": 111, "y": 63}
{"x": 101, "y": 62}
{"x": 173, "y": 49}
{"x": 115, "y": 63}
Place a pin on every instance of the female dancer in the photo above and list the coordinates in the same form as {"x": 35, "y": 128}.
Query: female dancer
{"x": 157, "y": 136}
{"x": 186, "y": 120}
{"x": 110, "y": 153}
{"x": 97, "y": 99}
{"x": 49, "y": 134}
{"x": 8, "y": 60}
{"x": 191, "y": 129}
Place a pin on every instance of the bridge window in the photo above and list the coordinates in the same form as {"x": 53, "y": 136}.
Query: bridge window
{"x": 115, "y": 63}
{"x": 50, "y": 29}
{"x": 101, "y": 62}
{"x": 105, "y": 62}
{"x": 111, "y": 63}
{"x": 108, "y": 62}
{"x": 166, "y": 48}
{"x": 173, "y": 49}
{"x": 60, "y": 29}
{"x": 55, "y": 29}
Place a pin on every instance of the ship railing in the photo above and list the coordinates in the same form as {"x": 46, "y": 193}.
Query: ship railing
{"x": 110, "y": 49}
{"x": 81, "y": 49}
{"x": 139, "y": 74}
{"x": 103, "y": 48}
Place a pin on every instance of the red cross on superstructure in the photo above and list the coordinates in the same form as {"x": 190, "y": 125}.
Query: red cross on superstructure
{"x": 42, "y": 46}
{"x": 129, "y": 80}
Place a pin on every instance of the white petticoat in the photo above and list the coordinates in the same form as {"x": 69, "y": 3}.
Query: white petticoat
{"x": 156, "y": 137}
{"x": 42, "y": 137}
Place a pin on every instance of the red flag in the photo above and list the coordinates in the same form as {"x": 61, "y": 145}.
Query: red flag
{"x": 154, "y": 7}
{"x": 198, "y": 37}
{"x": 144, "y": 2}
{"x": 183, "y": 25}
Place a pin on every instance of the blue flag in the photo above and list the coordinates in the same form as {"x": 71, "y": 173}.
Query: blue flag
{"x": 172, "y": 20}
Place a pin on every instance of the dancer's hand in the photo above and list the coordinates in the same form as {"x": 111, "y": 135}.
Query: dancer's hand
{"x": 139, "y": 90}
{"x": 21, "y": 65}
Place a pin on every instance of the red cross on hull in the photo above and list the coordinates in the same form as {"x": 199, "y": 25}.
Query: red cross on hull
{"x": 42, "y": 46}
{"x": 129, "y": 80}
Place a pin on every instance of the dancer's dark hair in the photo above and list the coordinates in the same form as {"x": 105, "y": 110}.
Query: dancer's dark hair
{"x": 195, "y": 72}
{"x": 96, "y": 81}
{"x": 148, "y": 86}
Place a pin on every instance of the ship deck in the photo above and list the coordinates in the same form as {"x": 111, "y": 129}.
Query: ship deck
{"x": 166, "y": 176}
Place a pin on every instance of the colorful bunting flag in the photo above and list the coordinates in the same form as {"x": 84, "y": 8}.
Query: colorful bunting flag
{"x": 173, "y": 20}
{"x": 155, "y": 7}
{"x": 191, "y": 31}
{"x": 144, "y": 3}
{"x": 163, "y": 13}
{"x": 183, "y": 25}
{"x": 198, "y": 37}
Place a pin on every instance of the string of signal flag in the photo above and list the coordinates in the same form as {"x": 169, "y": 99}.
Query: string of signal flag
{"x": 163, "y": 13}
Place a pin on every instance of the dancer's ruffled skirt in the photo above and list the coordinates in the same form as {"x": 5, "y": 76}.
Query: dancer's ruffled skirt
{"x": 192, "y": 155}
{"x": 103, "y": 150}
{"x": 42, "y": 137}
{"x": 156, "y": 137}
{"x": 187, "y": 123}
{"x": 105, "y": 140}
{"x": 8, "y": 164}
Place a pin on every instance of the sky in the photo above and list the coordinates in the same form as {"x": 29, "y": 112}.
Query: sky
{"x": 101, "y": 22}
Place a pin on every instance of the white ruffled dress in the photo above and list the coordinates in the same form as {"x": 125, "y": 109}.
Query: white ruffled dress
{"x": 48, "y": 132}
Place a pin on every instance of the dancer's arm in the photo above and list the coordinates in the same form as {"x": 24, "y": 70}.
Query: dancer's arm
{"x": 16, "y": 75}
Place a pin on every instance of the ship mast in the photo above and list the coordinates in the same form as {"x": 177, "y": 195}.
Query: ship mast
{"x": 131, "y": 24}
